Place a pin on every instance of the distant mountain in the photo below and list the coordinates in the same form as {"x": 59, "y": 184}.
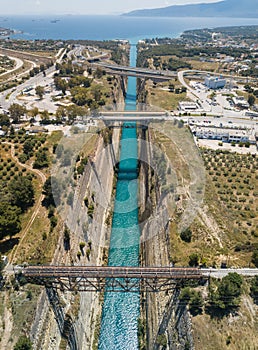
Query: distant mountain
{"x": 226, "y": 8}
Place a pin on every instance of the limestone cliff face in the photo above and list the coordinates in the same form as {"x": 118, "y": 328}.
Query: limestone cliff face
{"x": 69, "y": 319}
{"x": 167, "y": 322}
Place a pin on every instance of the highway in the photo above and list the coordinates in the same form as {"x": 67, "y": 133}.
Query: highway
{"x": 137, "y": 72}
{"x": 38, "y": 79}
{"x": 14, "y": 92}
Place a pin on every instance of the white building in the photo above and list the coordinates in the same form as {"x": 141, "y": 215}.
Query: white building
{"x": 188, "y": 106}
{"x": 240, "y": 102}
{"x": 225, "y": 135}
{"x": 215, "y": 82}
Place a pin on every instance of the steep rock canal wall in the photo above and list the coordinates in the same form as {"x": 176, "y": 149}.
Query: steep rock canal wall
{"x": 51, "y": 328}
{"x": 167, "y": 324}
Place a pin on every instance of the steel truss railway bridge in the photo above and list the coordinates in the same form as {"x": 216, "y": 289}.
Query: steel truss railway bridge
{"x": 111, "y": 279}
{"x": 122, "y": 279}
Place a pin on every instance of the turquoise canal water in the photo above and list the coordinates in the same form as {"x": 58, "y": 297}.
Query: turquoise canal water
{"x": 121, "y": 310}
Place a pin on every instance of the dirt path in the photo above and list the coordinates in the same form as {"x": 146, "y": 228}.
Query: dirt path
{"x": 250, "y": 307}
{"x": 36, "y": 207}
{"x": 211, "y": 224}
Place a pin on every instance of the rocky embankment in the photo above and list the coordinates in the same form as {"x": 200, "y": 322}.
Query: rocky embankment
{"x": 72, "y": 318}
{"x": 168, "y": 324}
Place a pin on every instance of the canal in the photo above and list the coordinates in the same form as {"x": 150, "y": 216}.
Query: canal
{"x": 121, "y": 310}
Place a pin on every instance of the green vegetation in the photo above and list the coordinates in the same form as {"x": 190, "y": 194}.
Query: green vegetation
{"x": 254, "y": 289}
{"x": 21, "y": 192}
{"x": 141, "y": 332}
{"x": 225, "y": 295}
{"x": 84, "y": 92}
{"x": 255, "y": 257}
{"x": 16, "y": 112}
{"x": 186, "y": 235}
{"x": 41, "y": 160}
{"x": 40, "y": 91}
{"x": 16, "y": 199}
{"x": 40, "y": 46}
{"x": 193, "y": 299}
{"x": 180, "y": 51}
{"x": 165, "y": 99}
{"x": 6, "y": 64}
{"x": 23, "y": 343}
{"x": 233, "y": 178}
{"x": 10, "y": 223}
{"x": 162, "y": 340}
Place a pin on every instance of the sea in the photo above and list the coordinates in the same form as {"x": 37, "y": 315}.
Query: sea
{"x": 67, "y": 27}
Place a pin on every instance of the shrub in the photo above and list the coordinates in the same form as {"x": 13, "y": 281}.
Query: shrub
{"x": 255, "y": 258}
{"x": 23, "y": 343}
{"x": 194, "y": 259}
{"x": 186, "y": 235}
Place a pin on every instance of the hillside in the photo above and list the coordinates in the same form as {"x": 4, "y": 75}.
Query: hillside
{"x": 226, "y": 8}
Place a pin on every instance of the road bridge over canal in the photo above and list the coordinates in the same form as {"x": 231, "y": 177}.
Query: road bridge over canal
{"x": 155, "y": 75}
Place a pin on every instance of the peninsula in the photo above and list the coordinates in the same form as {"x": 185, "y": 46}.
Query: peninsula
{"x": 225, "y": 8}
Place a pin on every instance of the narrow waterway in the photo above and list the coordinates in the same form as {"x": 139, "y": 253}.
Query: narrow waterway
{"x": 121, "y": 310}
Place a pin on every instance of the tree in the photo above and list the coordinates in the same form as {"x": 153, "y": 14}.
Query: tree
{"x": 52, "y": 192}
{"x": 40, "y": 91}
{"x": 230, "y": 289}
{"x": 34, "y": 112}
{"x": 61, "y": 112}
{"x": 194, "y": 259}
{"x": 251, "y": 100}
{"x": 193, "y": 299}
{"x": 196, "y": 303}
{"x": 21, "y": 192}
{"x": 9, "y": 220}
{"x": 185, "y": 295}
{"x": 4, "y": 120}
{"x": 60, "y": 84}
{"x": 66, "y": 238}
{"x": 96, "y": 91}
{"x": 28, "y": 146}
{"x": 254, "y": 288}
{"x": 255, "y": 258}
{"x": 45, "y": 117}
{"x": 248, "y": 88}
{"x": 80, "y": 95}
{"x": 227, "y": 294}
{"x": 98, "y": 73}
{"x": 186, "y": 235}
{"x": 41, "y": 160}
{"x": 16, "y": 111}
{"x": 23, "y": 343}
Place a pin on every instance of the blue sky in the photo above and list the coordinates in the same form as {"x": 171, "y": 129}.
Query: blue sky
{"x": 23, "y": 7}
